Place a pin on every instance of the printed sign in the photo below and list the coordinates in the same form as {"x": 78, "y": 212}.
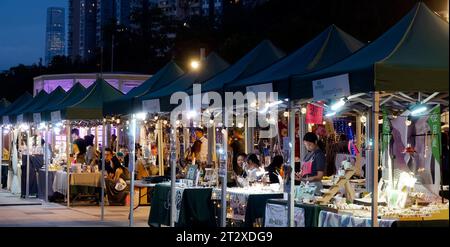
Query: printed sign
{"x": 37, "y": 117}
{"x": 267, "y": 88}
{"x": 331, "y": 88}
{"x": 56, "y": 116}
{"x": 5, "y": 120}
{"x": 276, "y": 216}
{"x": 151, "y": 106}
{"x": 20, "y": 118}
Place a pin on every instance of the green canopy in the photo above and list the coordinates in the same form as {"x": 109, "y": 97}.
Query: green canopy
{"x": 212, "y": 65}
{"x": 263, "y": 55}
{"x": 127, "y": 104}
{"x": 32, "y": 113}
{"x": 328, "y": 47}
{"x": 91, "y": 105}
{"x": 411, "y": 56}
{"x": 17, "y": 114}
{"x": 24, "y": 99}
{"x": 75, "y": 94}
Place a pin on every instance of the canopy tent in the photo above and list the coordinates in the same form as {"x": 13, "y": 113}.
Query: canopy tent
{"x": 127, "y": 104}
{"x": 90, "y": 106}
{"x": 15, "y": 115}
{"x": 55, "y": 96}
{"x": 328, "y": 47}
{"x": 263, "y": 55}
{"x": 211, "y": 66}
{"x": 18, "y": 103}
{"x": 411, "y": 56}
{"x": 75, "y": 94}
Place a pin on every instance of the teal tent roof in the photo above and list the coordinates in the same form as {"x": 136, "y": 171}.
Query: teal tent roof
{"x": 24, "y": 99}
{"x": 411, "y": 56}
{"x": 126, "y": 104}
{"x": 212, "y": 65}
{"x": 328, "y": 47}
{"x": 42, "y": 96}
{"x": 75, "y": 94}
{"x": 91, "y": 105}
{"x": 263, "y": 55}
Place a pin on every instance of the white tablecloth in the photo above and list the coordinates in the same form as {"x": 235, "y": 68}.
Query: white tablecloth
{"x": 330, "y": 219}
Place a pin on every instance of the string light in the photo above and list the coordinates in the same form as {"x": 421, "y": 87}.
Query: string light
{"x": 303, "y": 110}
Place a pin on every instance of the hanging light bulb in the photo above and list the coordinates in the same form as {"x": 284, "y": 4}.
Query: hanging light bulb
{"x": 408, "y": 122}
{"x": 303, "y": 110}
{"x": 363, "y": 119}
{"x": 286, "y": 114}
{"x": 349, "y": 124}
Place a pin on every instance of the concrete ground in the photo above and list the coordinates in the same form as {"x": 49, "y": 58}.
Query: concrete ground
{"x": 17, "y": 212}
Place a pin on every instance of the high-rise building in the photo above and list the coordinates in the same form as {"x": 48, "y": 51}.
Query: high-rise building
{"x": 55, "y": 34}
{"x": 82, "y": 28}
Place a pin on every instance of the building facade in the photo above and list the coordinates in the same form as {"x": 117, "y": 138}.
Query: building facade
{"x": 82, "y": 29}
{"x": 55, "y": 34}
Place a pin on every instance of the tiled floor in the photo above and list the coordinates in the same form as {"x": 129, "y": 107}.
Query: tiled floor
{"x": 52, "y": 214}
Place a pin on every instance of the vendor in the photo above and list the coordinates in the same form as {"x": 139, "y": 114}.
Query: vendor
{"x": 314, "y": 163}
{"x": 79, "y": 147}
{"x": 202, "y": 155}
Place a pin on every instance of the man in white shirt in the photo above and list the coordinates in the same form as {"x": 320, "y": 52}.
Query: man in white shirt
{"x": 203, "y": 154}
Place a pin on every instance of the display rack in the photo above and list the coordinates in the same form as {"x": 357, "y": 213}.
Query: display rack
{"x": 344, "y": 181}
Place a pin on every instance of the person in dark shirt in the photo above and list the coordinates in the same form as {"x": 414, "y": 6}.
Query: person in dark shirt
{"x": 274, "y": 168}
{"x": 115, "y": 180}
{"x": 237, "y": 146}
{"x": 314, "y": 163}
{"x": 79, "y": 146}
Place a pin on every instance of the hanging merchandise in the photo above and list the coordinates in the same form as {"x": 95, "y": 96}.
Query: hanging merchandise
{"x": 314, "y": 114}
{"x": 352, "y": 149}
{"x": 386, "y": 131}
{"x": 329, "y": 127}
{"x": 434, "y": 121}
{"x": 340, "y": 126}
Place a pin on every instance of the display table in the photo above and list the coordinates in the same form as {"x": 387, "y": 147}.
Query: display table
{"x": 247, "y": 204}
{"x": 142, "y": 185}
{"x": 90, "y": 182}
{"x": 330, "y": 219}
{"x": 194, "y": 206}
{"x": 41, "y": 183}
{"x": 310, "y": 217}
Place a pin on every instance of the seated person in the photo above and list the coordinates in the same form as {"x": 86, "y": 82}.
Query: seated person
{"x": 254, "y": 170}
{"x": 115, "y": 179}
{"x": 274, "y": 168}
{"x": 239, "y": 174}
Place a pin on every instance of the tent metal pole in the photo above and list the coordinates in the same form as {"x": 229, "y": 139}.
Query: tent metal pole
{"x": 376, "y": 106}
{"x": 224, "y": 172}
{"x": 132, "y": 165}
{"x": 46, "y": 159}
{"x": 173, "y": 165}
{"x": 27, "y": 189}
{"x": 68, "y": 161}
{"x": 102, "y": 193}
{"x": 292, "y": 164}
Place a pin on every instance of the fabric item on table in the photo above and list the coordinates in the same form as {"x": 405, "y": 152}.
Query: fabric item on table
{"x": 115, "y": 196}
{"x": 86, "y": 179}
{"x": 36, "y": 162}
{"x": 256, "y": 206}
{"x": 60, "y": 182}
{"x": 330, "y": 219}
{"x": 276, "y": 216}
{"x": 197, "y": 208}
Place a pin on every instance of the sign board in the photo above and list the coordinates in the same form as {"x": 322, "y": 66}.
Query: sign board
{"x": 56, "y": 116}
{"x": 276, "y": 216}
{"x": 36, "y": 117}
{"x": 151, "y": 106}
{"x": 314, "y": 114}
{"x": 331, "y": 87}
{"x": 5, "y": 119}
{"x": 20, "y": 118}
{"x": 267, "y": 88}
{"x": 192, "y": 170}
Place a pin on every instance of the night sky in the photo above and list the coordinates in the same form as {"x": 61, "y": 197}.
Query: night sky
{"x": 22, "y": 35}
